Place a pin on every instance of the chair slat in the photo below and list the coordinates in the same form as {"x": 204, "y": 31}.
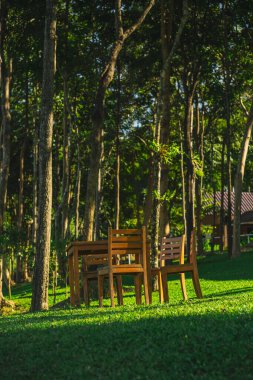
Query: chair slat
{"x": 127, "y": 232}
{"x": 126, "y": 245}
{"x": 125, "y": 251}
{"x": 125, "y": 239}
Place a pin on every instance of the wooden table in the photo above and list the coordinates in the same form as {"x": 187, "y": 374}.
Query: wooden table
{"x": 74, "y": 251}
{"x": 80, "y": 248}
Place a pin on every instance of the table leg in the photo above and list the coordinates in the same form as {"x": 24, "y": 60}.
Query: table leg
{"x": 76, "y": 277}
{"x": 71, "y": 280}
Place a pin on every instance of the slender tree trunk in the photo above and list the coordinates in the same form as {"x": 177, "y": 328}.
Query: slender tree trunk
{"x": 19, "y": 267}
{"x": 214, "y": 195}
{"x": 98, "y": 195}
{"x": 118, "y": 122}
{"x": 149, "y": 197}
{"x": 155, "y": 216}
{"x": 6, "y": 124}
{"x": 41, "y": 271}
{"x": 199, "y": 142}
{"x": 98, "y": 114}
{"x": 77, "y": 202}
{"x": 77, "y": 187}
{"x": 183, "y": 179}
{"x": 6, "y": 72}
{"x": 229, "y": 179}
{"x": 236, "y": 251}
{"x": 167, "y": 15}
{"x": 35, "y": 185}
{"x": 66, "y": 164}
{"x": 189, "y": 183}
{"x": 221, "y": 232}
{"x": 227, "y": 83}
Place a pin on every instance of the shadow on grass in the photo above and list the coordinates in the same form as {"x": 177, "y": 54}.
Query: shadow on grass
{"x": 208, "y": 346}
{"x": 246, "y": 289}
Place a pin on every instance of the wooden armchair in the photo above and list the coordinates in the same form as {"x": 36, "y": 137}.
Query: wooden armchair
{"x": 173, "y": 248}
{"x": 123, "y": 244}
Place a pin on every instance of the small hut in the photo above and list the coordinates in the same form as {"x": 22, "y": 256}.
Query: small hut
{"x": 212, "y": 212}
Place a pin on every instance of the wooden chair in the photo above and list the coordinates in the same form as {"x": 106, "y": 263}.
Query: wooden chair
{"x": 173, "y": 248}
{"x": 123, "y": 244}
{"x": 91, "y": 262}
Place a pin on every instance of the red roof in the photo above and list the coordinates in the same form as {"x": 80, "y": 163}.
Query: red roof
{"x": 247, "y": 201}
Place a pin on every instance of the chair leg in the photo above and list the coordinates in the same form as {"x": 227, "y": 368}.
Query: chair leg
{"x": 165, "y": 287}
{"x": 86, "y": 292}
{"x": 100, "y": 290}
{"x": 183, "y": 287}
{"x": 146, "y": 288}
{"x": 137, "y": 283}
{"x": 160, "y": 284}
{"x": 111, "y": 289}
{"x": 196, "y": 283}
{"x": 119, "y": 289}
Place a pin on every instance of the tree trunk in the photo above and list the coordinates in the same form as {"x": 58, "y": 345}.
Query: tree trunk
{"x": 189, "y": 180}
{"x": 167, "y": 15}
{"x": 35, "y": 185}
{"x": 41, "y": 271}
{"x": 118, "y": 122}
{"x": 77, "y": 187}
{"x": 98, "y": 195}
{"x": 236, "y": 251}
{"x": 6, "y": 72}
{"x": 6, "y": 124}
{"x": 227, "y": 83}
{"x": 148, "y": 206}
{"x": 183, "y": 179}
{"x": 221, "y": 232}
{"x": 199, "y": 142}
{"x": 19, "y": 269}
{"x": 66, "y": 163}
{"x": 229, "y": 181}
{"x": 98, "y": 115}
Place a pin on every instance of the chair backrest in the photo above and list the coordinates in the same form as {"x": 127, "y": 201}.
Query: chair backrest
{"x": 122, "y": 243}
{"x": 171, "y": 249}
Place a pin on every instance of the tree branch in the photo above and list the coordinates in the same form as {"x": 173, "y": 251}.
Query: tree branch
{"x": 118, "y": 19}
{"x": 244, "y": 107}
{"x": 130, "y": 30}
{"x": 178, "y": 36}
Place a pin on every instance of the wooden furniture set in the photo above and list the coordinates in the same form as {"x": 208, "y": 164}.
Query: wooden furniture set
{"x": 127, "y": 252}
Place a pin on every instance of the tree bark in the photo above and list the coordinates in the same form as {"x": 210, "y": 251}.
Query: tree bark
{"x": 77, "y": 186}
{"x": 66, "y": 164}
{"x": 41, "y": 270}
{"x": 35, "y": 185}
{"x": 6, "y": 72}
{"x": 167, "y": 15}
{"x": 190, "y": 176}
{"x": 98, "y": 114}
{"x": 199, "y": 142}
{"x": 236, "y": 250}
{"x": 19, "y": 270}
{"x": 118, "y": 122}
{"x": 183, "y": 178}
{"x": 221, "y": 232}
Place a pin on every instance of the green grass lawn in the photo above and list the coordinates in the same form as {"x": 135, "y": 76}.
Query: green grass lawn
{"x": 210, "y": 338}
